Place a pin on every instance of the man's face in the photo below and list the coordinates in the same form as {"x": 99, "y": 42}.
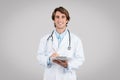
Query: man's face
{"x": 60, "y": 20}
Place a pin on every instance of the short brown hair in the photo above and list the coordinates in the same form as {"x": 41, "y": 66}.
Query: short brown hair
{"x": 62, "y": 10}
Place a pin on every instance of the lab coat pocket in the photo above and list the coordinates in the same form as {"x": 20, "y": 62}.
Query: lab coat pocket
{"x": 70, "y": 76}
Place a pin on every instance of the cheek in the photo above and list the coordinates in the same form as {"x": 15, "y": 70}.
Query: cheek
{"x": 55, "y": 21}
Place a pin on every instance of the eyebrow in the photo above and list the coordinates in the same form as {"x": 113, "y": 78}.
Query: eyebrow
{"x": 58, "y": 15}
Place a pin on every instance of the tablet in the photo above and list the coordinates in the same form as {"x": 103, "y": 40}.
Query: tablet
{"x": 60, "y": 58}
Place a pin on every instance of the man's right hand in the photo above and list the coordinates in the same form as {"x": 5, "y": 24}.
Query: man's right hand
{"x": 54, "y": 55}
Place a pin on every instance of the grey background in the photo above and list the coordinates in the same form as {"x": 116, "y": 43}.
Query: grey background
{"x": 24, "y": 22}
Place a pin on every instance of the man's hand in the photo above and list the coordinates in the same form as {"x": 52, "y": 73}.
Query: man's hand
{"x": 54, "y": 55}
{"x": 63, "y": 63}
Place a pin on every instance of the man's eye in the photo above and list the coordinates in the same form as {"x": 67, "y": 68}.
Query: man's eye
{"x": 63, "y": 16}
{"x": 57, "y": 16}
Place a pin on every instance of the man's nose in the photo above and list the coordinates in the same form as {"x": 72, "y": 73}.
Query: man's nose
{"x": 60, "y": 19}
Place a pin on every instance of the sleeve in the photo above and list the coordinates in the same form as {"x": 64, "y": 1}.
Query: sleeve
{"x": 43, "y": 59}
{"x": 78, "y": 57}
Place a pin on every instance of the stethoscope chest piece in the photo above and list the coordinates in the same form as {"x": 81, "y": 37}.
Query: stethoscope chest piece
{"x": 69, "y": 48}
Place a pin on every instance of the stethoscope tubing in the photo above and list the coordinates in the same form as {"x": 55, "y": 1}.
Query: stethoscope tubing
{"x": 51, "y": 36}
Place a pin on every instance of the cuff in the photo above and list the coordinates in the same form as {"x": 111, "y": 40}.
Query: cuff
{"x": 68, "y": 69}
{"x": 49, "y": 64}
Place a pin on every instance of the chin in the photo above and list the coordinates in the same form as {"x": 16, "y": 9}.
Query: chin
{"x": 60, "y": 27}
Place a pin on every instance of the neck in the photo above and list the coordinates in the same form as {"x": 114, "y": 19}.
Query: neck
{"x": 61, "y": 30}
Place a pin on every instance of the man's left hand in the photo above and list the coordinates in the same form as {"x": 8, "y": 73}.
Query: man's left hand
{"x": 63, "y": 63}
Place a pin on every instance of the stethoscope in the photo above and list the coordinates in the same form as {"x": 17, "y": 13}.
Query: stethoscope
{"x": 51, "y": 36}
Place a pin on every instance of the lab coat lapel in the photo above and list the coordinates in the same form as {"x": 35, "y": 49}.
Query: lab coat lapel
{"x": 55, "y": 42}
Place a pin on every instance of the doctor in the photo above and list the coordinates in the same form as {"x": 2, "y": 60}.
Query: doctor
{"x": 61, "y": 42}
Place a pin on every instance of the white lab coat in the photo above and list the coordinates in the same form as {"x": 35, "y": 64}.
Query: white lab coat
{"x": 55, "y": 71}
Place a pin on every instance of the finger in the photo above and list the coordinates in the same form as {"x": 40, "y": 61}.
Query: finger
{"x": 53, "y": 55}
{"x": 55, "y": 61}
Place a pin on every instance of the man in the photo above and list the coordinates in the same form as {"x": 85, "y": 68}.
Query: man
{"x": 60, "y": 52}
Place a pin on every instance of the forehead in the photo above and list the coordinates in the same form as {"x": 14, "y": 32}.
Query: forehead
{"x": 58, "y": 13}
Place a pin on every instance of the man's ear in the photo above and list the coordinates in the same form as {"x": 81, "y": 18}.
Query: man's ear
{"x": 54, "y": 25}
{"x": 67, "y": 22}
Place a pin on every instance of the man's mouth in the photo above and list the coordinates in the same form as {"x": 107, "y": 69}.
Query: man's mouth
{"x": 60, "y": 23}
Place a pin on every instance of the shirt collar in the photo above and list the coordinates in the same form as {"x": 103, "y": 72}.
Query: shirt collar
{"x": 60, "y": 35}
